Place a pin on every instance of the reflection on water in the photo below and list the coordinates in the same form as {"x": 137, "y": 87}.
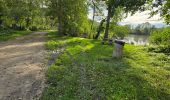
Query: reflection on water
{"x": 137, "y": 39}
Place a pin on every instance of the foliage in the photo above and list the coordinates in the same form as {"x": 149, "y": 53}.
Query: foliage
{"x": 161, "y": 36}
{"x": 160, "y": 49}
{"x": 71, "y": 15}
{"x": 120, "y": 31}
{"x": 24, "y": 14}
{"x": 162, "y": 7}
{"x": 86, "y": 71}
{"x": 126, "y": 6}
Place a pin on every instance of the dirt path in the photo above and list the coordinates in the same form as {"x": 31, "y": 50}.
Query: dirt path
{"x": 21, "y": 67}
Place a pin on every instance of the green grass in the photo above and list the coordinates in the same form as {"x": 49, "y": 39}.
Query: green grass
{"x": 86, "y": 71}
{"x": 7, "y": 35}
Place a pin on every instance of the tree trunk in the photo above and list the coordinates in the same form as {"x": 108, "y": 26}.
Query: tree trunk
{"x": 107, "y": 23}
{"x": 60, "y": 16}
{"x": 1, "y": 21}
{"x": 99, "y": 29}
{"x": 27, "y": 22}
{"x": 94, "y": 11}
{"x": 60, "y": 27}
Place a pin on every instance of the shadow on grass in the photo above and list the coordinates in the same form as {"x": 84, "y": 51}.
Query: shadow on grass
{"x": 89, "y": 72}
{"x": 119, "y": 78}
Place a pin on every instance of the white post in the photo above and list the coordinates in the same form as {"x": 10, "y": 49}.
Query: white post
{"x": 118, "y": 51}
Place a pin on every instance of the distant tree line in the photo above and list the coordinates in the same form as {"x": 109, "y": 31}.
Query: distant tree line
{"x": 142, "y": 29}
{"x": 70, "y": 17}
{"x": 24, "y": 14}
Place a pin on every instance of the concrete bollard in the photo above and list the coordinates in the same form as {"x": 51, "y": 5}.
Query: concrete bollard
{"x": 118, "y": 51}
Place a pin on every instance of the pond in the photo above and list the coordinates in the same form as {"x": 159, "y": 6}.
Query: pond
{"x": 137, "y": 39}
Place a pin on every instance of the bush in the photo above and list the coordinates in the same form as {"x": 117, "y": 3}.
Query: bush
{"x": 161, "y": 36}
{"x": 52, "y": 45}
{"x": 160, "y": 49}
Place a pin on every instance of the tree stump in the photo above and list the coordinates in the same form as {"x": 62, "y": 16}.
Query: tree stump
{"x": 118, "y": 51}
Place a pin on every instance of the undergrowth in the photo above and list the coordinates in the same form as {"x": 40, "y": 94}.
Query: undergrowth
{"x": 11, "y": 34}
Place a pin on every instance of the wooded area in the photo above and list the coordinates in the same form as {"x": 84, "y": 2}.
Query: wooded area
{"x": 71, "y": 17}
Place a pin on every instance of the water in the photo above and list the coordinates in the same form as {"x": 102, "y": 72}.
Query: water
{"x": 137, "y": 39}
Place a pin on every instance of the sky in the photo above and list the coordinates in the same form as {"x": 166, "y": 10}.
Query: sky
{"x": 143, "y": 17}
{"x": 139, "y": 18}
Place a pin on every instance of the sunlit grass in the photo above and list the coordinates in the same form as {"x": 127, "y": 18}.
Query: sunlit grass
{"x": 86, "y": 71}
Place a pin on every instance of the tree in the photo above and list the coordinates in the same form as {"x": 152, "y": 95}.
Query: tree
{"x": 120, "y": 31}
{"x": 161, "y": 36}
{"x": 71, "y": 15}
{"x": 162, "y": 7}
{"x": 22, "y": 14}
{"x": 96, "y": 6}
{"x": 126, "y": 5}
{"x": 100, "y": 29}
{"x": 144, "y": 28}
{"x": 1, "y": 12}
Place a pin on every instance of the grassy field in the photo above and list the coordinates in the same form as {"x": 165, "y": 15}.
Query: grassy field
{"x": 85, "y": 70}
{"x": 6, "y": 35}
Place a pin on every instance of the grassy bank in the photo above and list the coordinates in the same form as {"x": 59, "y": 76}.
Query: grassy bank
{"x": 10, "y": 34}
{"x": 85, "y": 70}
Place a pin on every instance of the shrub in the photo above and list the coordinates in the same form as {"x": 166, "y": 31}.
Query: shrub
{"x": 160, "y": 49}
{"x": 161, "y": 36}
{"x": 52, "y": 45}
{"x": 120, "y": 31}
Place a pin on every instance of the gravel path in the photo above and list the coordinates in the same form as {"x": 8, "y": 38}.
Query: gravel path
{"x": 21, "y": 67}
